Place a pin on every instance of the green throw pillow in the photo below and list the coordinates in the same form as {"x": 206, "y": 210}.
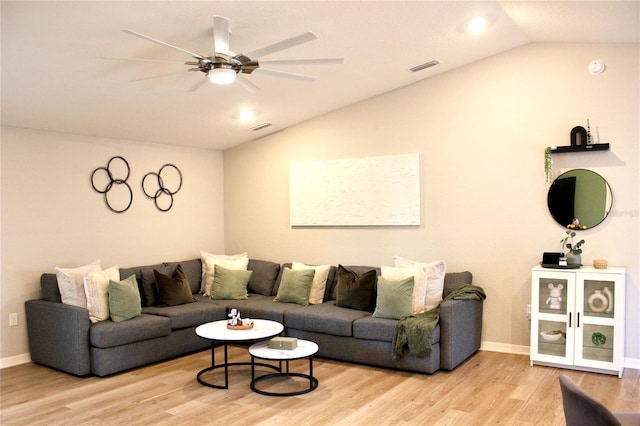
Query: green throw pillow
{"x": 230, "y": 284}
{"x": 355, "y": 291}
{"x": 295, "y": 286}
{"x": 395, "y": 298}
{"x": 124, "y": 299}
{"x": 173, "y": 290}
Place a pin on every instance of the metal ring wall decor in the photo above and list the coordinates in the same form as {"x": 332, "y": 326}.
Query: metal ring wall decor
{"x": 162, "y": 189}
{"x": 113, "y": 181}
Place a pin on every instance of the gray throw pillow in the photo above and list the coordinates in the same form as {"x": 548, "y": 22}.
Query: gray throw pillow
{"x": 173, "y": 290}
{"x": 355, "y": 291}
{"x": 295, "y": 286}
{"x": 124, "y": 299}
{"x": 230, "y": 284}
{"x": 395, "y": 298}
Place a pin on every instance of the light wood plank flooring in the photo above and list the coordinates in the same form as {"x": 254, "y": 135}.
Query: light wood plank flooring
{"x": 490, "y": 388}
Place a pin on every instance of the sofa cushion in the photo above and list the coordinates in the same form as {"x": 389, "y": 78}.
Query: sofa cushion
{"x": 372, "y": 328}
{"x": 71, "y": 283}
{"x": 324, "y": 318}
{"x": 355, "y": 290}
{"x": 189, "y": 314}
{"x": 259, "y": 306}
{"x": 192, "y": 270}
{"x": 263, "y": 277}
{"x": 319, "y": 283}
{"x": 149, "y": 293}
{"x": 96, "y": 285}
{"x": 394, "y": 298}
{"x": 430, "y": 285}
{"x": 453, "y": 280}
{"x": 209, "y": 262}
{"x": 229, "y": 284}
{"x": 295, "y": 286}
{"x": 49, "y": 287}
{"x": 173, "y": 290}
{"x": 419, "y": 275}
{"x": 124, "y": 299}
{"x": 146, "y": 281}
{"x": 107, "y": 334}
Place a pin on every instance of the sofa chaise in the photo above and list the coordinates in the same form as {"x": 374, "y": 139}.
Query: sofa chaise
{"x": 62, "y": 336}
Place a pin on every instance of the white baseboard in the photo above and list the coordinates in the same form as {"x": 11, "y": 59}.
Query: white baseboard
{"x": 633, "y": 363}
{"x": 14, "y": 360}
{"x": 504, "y": 347}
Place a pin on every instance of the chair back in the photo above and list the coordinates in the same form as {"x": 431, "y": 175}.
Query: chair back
{"x": 581, "y": 409}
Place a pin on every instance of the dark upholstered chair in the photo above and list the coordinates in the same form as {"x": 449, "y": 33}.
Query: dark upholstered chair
{"x": 581, "y": 409}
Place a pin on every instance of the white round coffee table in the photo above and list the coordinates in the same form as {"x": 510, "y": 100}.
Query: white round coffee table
{"x": 304, "y": 349}
{"x": 219, "y": 334}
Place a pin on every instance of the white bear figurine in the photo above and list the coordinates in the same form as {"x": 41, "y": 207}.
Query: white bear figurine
{"x": 554, "y": 296}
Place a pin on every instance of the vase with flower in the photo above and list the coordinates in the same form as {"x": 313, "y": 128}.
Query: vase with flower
{"x": 574, "y": 255}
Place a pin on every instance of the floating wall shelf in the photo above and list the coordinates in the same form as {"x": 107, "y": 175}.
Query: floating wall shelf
{"x": 581, "y": 148}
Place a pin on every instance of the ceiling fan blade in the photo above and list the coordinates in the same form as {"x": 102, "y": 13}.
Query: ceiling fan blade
{"x": 291, "y": 75}
{"x": 141, "y": 60}
{"x": 246, "y": 84}
{"x": 318, "y": 61}
{"x": 155, "y": 76}
{"x": 199, "y": 84}
{"x": 281, "y": 45}
{"x": 221, "y": 35}
{"x": 162, "y": 43}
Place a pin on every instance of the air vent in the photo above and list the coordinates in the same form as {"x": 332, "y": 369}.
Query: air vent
{"x": 260, "y": 126}
{"x": 425, "y": 65}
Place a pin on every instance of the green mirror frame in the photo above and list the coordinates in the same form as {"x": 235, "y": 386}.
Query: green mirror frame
{"x": 580, "y": 194}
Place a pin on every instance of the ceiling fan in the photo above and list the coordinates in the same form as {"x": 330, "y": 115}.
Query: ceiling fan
{"x": 226, "y": 67}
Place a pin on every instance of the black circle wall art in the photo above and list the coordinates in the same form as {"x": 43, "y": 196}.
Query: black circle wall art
{"x": 111, "y": 181}
{"x": 162, "y": 186}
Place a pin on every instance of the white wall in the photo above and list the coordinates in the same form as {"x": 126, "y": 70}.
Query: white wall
{"x": 481, "y": 131}
{"x": 51, "y": 216}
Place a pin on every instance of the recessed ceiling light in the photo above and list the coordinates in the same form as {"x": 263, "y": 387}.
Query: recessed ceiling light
{"x": 247, "y": 115}
{"x": 476, "y": 25}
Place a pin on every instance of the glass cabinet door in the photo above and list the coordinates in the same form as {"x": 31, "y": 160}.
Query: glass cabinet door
{"x": 598, "y": 302}
{"x": 552, "y": 317}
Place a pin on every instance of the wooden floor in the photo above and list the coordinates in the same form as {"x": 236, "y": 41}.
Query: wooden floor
{"x": 490, "y": 388}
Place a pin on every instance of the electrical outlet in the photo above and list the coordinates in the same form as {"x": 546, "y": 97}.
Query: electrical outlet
{"x": 528, "y": 311}
{"x": 13, "y": 319}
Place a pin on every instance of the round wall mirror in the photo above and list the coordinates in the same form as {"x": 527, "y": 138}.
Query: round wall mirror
{"x": 580, "y": 194}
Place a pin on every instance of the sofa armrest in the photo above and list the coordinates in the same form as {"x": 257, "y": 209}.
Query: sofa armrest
{"x": 460, "y": 331}
{"x": 59, "y": 336}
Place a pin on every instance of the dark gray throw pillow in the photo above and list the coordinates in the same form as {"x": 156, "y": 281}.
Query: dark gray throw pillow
{"x": 173, "y": 290}
{"x": 355, "y": 291}
{"x": 263, "y": 277}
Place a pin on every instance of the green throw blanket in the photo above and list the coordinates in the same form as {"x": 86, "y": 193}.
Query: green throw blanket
{"x": 415, "y": 330}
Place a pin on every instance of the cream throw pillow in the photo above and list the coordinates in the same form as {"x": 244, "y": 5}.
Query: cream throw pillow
{"x": 209, "y": 262}
{"x": 71, "y": 283}
{"x": 319, "y": 283}
{"x": 435, "y": 272}
{"x": 96, "y": 286}
{"x": 419, "y": 283}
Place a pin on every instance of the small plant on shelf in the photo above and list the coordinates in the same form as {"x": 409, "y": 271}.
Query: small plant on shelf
{"x": 548, "y": 164}
{"x": 567, "y": 242}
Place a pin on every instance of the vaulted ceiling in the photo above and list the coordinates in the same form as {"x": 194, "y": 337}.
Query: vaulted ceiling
{"x": 54, "y": 77}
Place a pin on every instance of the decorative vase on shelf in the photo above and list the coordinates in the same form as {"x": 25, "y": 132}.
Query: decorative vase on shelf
{"x": 574, "y": 258}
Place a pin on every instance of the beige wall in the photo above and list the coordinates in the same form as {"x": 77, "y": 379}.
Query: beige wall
{"x": 52, "y": 217}
{"x": 481, "y": 132}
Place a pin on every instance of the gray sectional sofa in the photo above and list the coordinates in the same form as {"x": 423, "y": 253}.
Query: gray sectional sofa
{"x": 62, "y": 336}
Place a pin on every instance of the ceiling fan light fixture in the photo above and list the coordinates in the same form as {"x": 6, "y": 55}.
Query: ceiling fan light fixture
{"x": 222, "y": 76}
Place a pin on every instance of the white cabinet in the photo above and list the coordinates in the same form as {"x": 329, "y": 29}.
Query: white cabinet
{"x": 577, "y": 318}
